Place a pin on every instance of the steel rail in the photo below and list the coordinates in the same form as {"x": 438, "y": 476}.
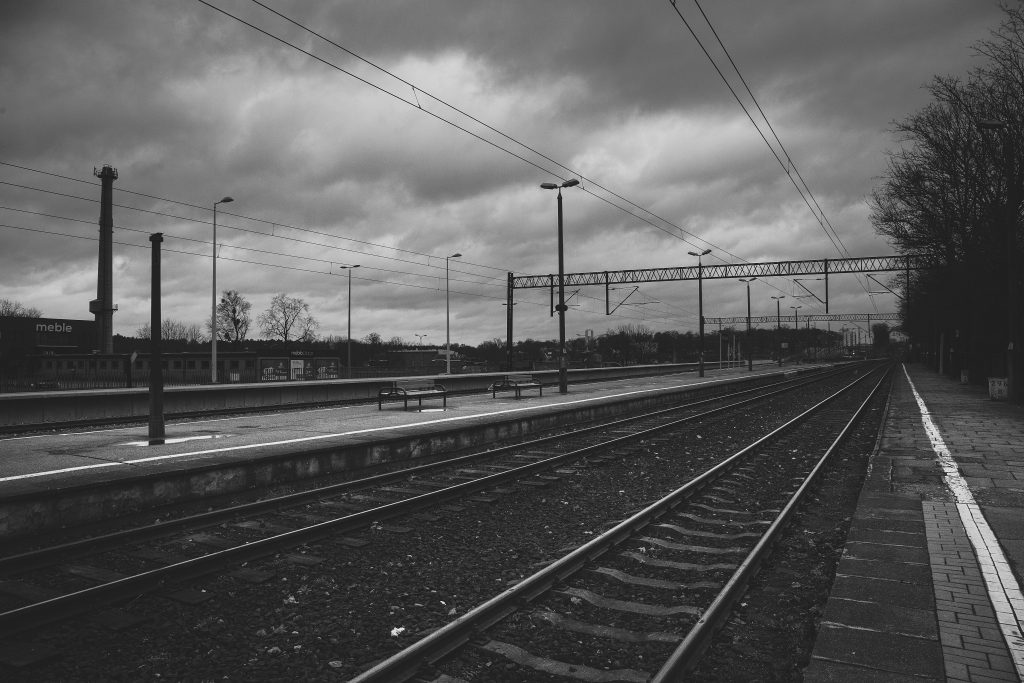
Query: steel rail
{"x": 406, "y": 664}
{"x": 34, "y": 559}
{"x": 685, "y": 656}
{"x": 36, "y": 614}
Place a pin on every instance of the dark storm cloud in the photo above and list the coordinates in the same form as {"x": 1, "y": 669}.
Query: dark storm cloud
{"x": 191, "y": 105}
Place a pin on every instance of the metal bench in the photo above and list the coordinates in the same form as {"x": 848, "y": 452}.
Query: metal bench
{"x": 405, "y": 389}
{"x": 517, "y": 383}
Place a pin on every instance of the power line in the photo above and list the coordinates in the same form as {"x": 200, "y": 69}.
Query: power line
{"x": 821, "y": 219}
{"x": 238, "y": 260}
{"x": 417, "y": 105}
{"x": 665, "y": 317}
{"x": 235, "y": 215}
{"x": 490, "y": 281}
{"x": 769, "y": 124}
{"x": 234, "y": 246}
{"x": 463, "y": 129}
{"x": 746, "y": 111}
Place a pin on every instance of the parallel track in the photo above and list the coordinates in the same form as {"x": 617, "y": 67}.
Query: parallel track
{"x": 696, "y": 550}
{"x": 254, "y": 546}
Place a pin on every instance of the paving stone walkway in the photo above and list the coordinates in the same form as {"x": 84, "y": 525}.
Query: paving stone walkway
{"x": 928, "y": 588}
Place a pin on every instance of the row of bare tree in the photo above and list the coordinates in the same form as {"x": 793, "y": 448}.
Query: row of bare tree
{"x": 953, "y": 194}
{"x": 287, "y": 319}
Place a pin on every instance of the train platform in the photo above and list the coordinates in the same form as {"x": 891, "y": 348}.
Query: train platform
{"x": 60, "y": 478}
{"x": 929, "y": 584}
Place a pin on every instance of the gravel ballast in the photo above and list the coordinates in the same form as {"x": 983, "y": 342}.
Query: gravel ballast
{"x": 333, "y": 610}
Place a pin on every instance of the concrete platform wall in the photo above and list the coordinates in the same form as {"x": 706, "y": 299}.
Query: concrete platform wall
{"x": 90, "y": 498}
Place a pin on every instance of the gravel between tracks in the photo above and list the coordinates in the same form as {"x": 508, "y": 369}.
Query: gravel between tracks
{"x": 327, "y": 621}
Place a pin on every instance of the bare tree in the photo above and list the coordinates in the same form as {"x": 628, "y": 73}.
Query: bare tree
{"x": 288, "y": 319}
{"x": 193, "y": 334}
{"x": 174, "y": 330}
{"x": 953, "y": 195}
{"x": 233, "y": 317}
{"x": 633, "y": 341}
{"x": 14, "y": 309}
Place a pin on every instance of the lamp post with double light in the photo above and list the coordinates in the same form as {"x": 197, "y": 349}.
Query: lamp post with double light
{"x": 349, "y": 351}
{"x": 750, "y": 344}
{"x": 213, "y": 301}
{"x": 563, "y": 369}
{"x": 447, "y": 318}
{"x": 700, "y": 306}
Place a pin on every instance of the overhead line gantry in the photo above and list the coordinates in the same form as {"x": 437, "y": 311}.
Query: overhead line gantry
{"x": 728, "y": 271}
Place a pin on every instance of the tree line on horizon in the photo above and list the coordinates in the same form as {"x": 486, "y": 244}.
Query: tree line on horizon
{"x": 288, "y": 325}
{"x": 953, "y": 195}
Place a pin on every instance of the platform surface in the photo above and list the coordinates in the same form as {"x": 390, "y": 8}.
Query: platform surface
{"x": 928, "y": 588}
{"x": 62, "y": 459}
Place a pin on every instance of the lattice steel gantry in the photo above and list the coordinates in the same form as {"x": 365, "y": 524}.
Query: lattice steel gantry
{"x": 826, "y": 267}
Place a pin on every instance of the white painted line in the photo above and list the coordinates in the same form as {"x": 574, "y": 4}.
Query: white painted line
{"x": 179, "y": 439}
{"x": 369, "y": 430}
{"x": 1003, "y": 590}
{"x": 176, "y": 424}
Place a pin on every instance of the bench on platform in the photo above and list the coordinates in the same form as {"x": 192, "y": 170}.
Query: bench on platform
{"x": 517, "y": 383}
{"x": 405, "y": 389}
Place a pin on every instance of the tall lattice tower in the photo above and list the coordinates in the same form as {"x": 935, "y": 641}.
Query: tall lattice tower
{"x": 103, "y": 305}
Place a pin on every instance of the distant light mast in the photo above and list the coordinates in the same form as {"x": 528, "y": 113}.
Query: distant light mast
{"x": 103, "y": 305}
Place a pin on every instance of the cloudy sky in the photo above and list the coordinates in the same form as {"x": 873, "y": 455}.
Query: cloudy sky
{"x": 426, "y": 129}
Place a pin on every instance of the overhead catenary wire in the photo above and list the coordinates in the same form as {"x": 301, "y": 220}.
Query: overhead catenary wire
{"x": 496, "y": 281}
{"x": 235, "y": 215}
{"x": 417, "y": 89}
{"x": 238, "y": 260}
{"x": 168, "y": 235}
{"x": 821, "y": 212}
{"x": 534, "y": 304}
{"x": 452, "y": 123}
{"x": 226, "y": 245}
{"x": 732, "y": 90}
{"x": 841, "y": 248}
{"x": 819, "y": 216}
{"x": 416, "y": 104}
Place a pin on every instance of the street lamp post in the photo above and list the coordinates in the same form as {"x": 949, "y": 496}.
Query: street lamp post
{"x": 447, "y": 318}
{"x": 778, "y": 326}
{"x": 563, "y": 370}
{"x": 750, "y": 343}
{"x": 349, "y": 352}
{"x": 700, "y": 306}
{"x": 213, "y": 301}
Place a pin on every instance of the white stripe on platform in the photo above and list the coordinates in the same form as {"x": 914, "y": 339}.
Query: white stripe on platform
{"x": 369, "y": 430}
{"x": 1003, "y": 590}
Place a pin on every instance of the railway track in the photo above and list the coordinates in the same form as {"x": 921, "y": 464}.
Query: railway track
{"x": 652, "y": 589}
{"x": 352, "y": 507}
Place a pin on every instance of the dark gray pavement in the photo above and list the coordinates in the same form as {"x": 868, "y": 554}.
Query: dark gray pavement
{"x": 55, "y": 460}
{"x": 928, "y": 588}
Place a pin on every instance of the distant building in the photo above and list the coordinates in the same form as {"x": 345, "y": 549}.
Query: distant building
{"x": 23, "y": 338}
